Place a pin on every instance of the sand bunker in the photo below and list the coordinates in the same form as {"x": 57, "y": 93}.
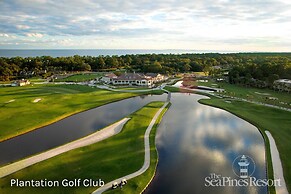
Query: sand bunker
{"x": 265, "y": 94}
{"x": 37, "y": 100}
{"x": 10, "y": 101}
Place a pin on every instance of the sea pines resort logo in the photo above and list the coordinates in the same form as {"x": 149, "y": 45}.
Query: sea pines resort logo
{"x": 243, "y": 167}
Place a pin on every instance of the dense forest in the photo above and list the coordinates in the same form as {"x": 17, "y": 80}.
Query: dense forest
{"x": 242, "y": 68}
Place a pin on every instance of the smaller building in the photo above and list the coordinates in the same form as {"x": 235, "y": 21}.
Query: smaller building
{"x": 22, "y": 82}
{"x": 282, "y": 85}
{"x": 156, "y": 77}
{"x": 108, "y": 78}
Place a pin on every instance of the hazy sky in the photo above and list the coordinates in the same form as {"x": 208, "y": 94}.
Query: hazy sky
{"x": 222, "y": 25}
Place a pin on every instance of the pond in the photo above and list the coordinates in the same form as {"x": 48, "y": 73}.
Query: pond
{"x": 195, "y": 141}
{"x": 71, "y": 128}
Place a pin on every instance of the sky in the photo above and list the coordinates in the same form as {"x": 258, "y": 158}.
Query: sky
{"x": 217, "y": 25}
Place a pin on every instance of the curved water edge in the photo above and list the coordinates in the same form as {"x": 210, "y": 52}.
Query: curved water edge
{"x": 62, "y": 117}
{"x": 264, "y": 136}
{"x": 206, "y": 141}
{"x": 188, "y": 154}
{"x": 71, "y": 128}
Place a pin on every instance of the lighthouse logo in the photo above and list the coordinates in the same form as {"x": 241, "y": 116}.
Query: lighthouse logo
{"x": 243, "y": 166}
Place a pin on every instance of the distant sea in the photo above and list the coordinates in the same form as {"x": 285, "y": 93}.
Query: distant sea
{"x": 88, "y": 52}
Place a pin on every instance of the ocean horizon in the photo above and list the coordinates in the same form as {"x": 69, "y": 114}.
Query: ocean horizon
{"x": 95, "y": 52}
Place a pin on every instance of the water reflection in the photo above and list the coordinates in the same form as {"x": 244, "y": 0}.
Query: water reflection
{"x": 194, "y": 140}
{"x": 71, "y": 128}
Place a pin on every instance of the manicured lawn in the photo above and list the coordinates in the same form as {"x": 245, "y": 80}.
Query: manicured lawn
{"x": 132, "y": 88}
{"x": 254, "y": 94}
{"x": 80, "y": 77}
{"x": 5, "y": 82}
{"x": 171, "y": 89}
{"x": 278, "y": 122}
{"x": 112, "y": 158}
{"x": 138, "y": 184}
{"x": 175, "y": 89}
{"x": 36, "y": 79}
{"x": 19, "y": 113}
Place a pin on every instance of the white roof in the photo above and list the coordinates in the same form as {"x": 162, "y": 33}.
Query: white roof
{"x": 284, "y": 81}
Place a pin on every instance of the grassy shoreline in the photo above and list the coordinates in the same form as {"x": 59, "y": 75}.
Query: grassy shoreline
{"x": 156, "y": 153}
{"x": 140, "y": 183}
{"x": 243, "y": 112}
{"x": 95, "y": 161}
{"x": 257, "y": 115}
{"x": 59, "y": 118}
{"x": 51, "y": 108}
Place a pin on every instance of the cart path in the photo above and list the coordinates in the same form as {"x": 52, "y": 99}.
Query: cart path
{"x": 88, "y": 140}
{"x": 146, "y": 163}
{"x": 277, "y": 165}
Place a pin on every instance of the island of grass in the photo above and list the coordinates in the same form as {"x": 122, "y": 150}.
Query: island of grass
{"x": 112, "y": 158}
{"x": 26, "y": 108}
{"x": 264, "y": 118}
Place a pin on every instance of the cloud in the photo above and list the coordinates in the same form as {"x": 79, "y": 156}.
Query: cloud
{"x": 4, "y": 35}
{"x": 36, "y": 35}
{"x": 163, "y": 20}
{"x": 22, "y": 27}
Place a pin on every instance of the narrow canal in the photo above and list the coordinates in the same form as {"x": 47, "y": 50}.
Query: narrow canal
{"x": 197, "y": 142}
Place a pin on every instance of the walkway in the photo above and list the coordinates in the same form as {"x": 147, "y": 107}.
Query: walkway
{"x": 91, "y": 139}
{"x": 277, "y": 165}
{"x": 146, "y": 160}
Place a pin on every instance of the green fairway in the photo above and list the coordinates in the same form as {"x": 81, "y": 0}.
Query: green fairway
{"x": 132, "y": 88}
{"x": 80, "y": 77}
{"x": 276, "y": 121}
{"x": 138, "y": 184}
{"x": 36, "y": 79}
{"x": 172, "y": 89}
{"x": 112, "y": 158}
{"x": 25, "y": 108}
{"x": 255, "y": 94}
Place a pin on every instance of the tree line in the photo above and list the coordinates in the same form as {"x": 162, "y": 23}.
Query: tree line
{"x": 260, "y": 71}
{"x": 242, "y": 68}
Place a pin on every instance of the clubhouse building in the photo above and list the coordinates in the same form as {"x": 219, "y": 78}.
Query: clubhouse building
{"x": 133, "y": 79}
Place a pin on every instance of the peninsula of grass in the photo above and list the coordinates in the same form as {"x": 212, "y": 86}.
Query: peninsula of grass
{"x": 276, "y": 121}
{"x": 23, "y": 109}
{"x": 139, "y": 184}
{"x": 108, "y": 160}
{"x": 253, "y": 94}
